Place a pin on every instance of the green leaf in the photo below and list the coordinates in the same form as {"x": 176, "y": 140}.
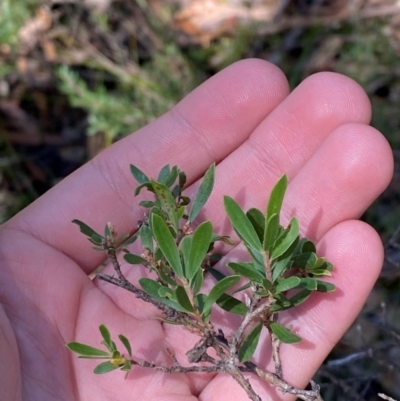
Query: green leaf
{"x": 135, "y": 259}
{"x": 257, "y": 219}
{"x": 139, "y": 176}
{"x": 242, "y": 288}
{"x": 308, "y": 283}
{"x": 165, "y": 278}
{"x": 250, "y": 343}
{"x": 231, "y": 304}
{"x": 199, "y": 248}
{"x": 241, "y": 223}
{"x": 276, "y": 197}
{"x": 147, "y": 238}
{"x": 299, "y": 298}
{"x": 284, "y": 334}
{"x": 168, "y": 204}
{"x": 165, "y": 292}
{"x": 127, "y": 240}
{"x": 247, "y": 270}
{"x": 185, "y": 245}
{"x": 107, "y": 338}
{"x": 323, "y": 286}
{"x": 281, "y": 303}
{"x": 183, "y": 299}
{"x": 200, "y": 300}
{"x": 172, "y": 176}
{"x": 164, "y": 172}
{"x": 167, "y": 244}
{"x": 305, "y": 260}
{"x": 320, "y": 272}
{"x": 152, "y": 288}
{"x": 305, "y": 246}
{"x": 107, "y": 232}
{"x": 286, "y": 240}
{"x": 197, "y": 282}
{"x": 105, "y": 367}
{"x": 89, "y": 232}
{"x": 126, "y": 343}
{"x": 141, "y": 186}
{"x": 215, "y": 273}
{"x": 146, "y": 204}
{"x": 86, "y": 350}
{"x": 286, "y": 284}
{"x": 271, "y": 232}
{"x": 180, "y": 212}
{"x": 219, "y": 289}
{"x": 280, "y": 265}
{"x": 203, "y": 192}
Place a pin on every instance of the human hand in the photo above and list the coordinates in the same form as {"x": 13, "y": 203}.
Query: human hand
{"x": 245, "y": 120}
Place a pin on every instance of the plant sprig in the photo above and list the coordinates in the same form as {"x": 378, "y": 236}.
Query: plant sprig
{"x": 281, "y": 272}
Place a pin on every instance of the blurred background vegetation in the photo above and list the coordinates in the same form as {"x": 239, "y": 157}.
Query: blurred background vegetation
{"x": 77, "y": 75}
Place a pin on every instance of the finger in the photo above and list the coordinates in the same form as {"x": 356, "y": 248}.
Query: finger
{"x": 205, "y": 127}
{"x": 356, "y": 252}
{"x": 287, "y": 139}
{"x": 348, "y": 172}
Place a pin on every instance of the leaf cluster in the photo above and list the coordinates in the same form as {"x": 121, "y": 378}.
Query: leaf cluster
{"x": 281, "y": 271}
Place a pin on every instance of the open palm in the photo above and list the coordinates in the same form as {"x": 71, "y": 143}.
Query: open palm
{"x": 245, "y": 120}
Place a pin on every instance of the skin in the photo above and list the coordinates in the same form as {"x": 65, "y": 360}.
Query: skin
{"x": 246, "y": 121}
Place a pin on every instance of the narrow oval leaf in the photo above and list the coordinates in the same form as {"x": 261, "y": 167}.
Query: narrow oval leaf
{"x": 183, "y": 299}
{"x": 284, "y": 334}
{"x": 299, "y": 298}
{"x": 199, "y": 248}
{"x": 197, "y": 281}
{"x": 127, "y": 240}
{"x": 165, "y": 292}
{"x": 305, "y": 245}
{"x": 146, "y": 237}
{"x": 135, "y": 259}
{"x": 276, "y": 197}
{"x": 153, "y": 288}
{"x": 250, "y": 343}
{"x": 271, "y": 232}
{"x": 286, "y": 240}
{"x": 247, "y": 270}
{"x": 105, "y": 367}
{"x": 280, "y": 267}
{"x": 172, "y": 176}
{"x": 167, "y": 201}
{"x": 126, "y": 343}
{"x": 320, "y": 272}
{"x": 88, "y": 231}
{"x": 107, "y": 337}
{"x": 257, "y": 219}
{"x": 242, "y": 288}
{"x": 139, "y": 176}
{"x": 219, "y": 289}
{"x": 163, "y": 174}
{"x": 231, "y": 304}
{"x": 184, "y": 246}
{"x": 308, "y": 283}
{"x": 86, "y": 350}
{"x": 287, "y": 284}
{"x": 146, "y": 185}
{"x": 305, "y": 260}
{"x": 241, "y": 223}
{"x": 323, "y": 286}
{"x": 203, "y": 192}
{"x": 167, "y": 244}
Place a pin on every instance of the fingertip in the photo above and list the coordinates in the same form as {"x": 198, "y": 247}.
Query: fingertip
{"x": 336, "y": 92}
{"x": 356, "y": 249}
